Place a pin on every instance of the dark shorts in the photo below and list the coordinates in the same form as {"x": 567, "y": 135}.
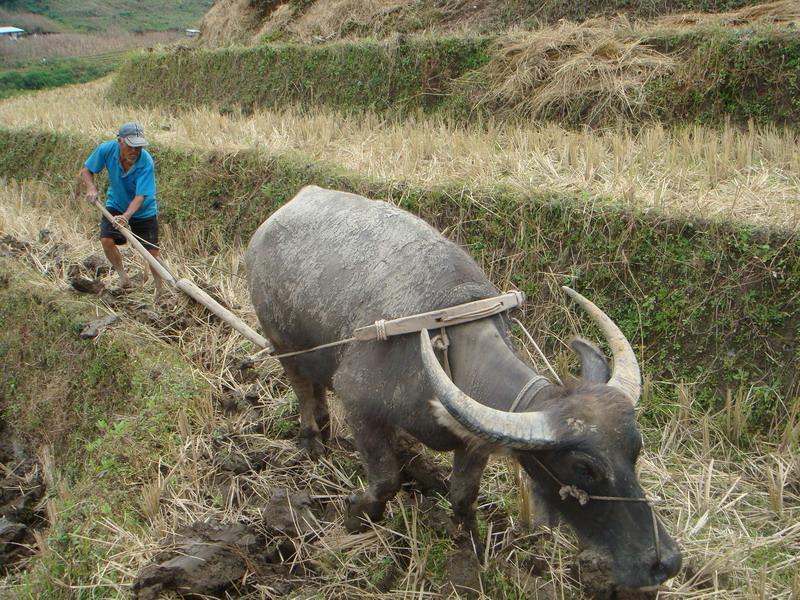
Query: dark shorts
{"x": 145, "y": 229}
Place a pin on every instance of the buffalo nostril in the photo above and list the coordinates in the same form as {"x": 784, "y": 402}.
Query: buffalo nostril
{"x": 666, "y": 568}
{"x": 659, "y": 572}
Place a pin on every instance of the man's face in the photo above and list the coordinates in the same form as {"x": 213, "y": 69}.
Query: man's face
{"x": 128, "y": 153}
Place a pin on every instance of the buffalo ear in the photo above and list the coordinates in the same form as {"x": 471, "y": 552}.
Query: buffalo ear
{"x": 594, "y": 364}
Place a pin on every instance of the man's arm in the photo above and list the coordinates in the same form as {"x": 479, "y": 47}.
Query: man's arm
{"x": 135, "y": 205}
{"x": 88, "y": 183}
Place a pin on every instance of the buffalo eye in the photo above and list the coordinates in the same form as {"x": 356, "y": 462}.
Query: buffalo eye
{"x": 586, "y": 471}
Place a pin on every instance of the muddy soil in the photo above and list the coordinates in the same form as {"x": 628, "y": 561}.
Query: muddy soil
{"x": 207, "y": 558}
{"x": 21, "y": 489}
{"x": 212, "y": 558}
{"x": 592, "y": 570}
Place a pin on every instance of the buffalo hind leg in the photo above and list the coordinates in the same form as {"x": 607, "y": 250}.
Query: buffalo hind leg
{"x": 307, "y": 394}
{"x": 465, "y": 482}
{"x": 376, "y": 446}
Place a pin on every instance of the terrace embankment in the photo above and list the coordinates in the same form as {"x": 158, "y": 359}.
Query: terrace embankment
{"x": 595, "y": 74}
{"x": 708, "y": 303}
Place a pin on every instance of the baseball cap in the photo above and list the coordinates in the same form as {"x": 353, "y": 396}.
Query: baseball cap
{"x": 132, "y": 134}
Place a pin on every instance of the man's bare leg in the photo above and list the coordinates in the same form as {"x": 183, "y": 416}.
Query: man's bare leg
{"x": 115, "y": 258}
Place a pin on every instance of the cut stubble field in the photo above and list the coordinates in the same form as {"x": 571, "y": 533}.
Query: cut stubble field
{"x": 735, "y": 512}
{"x": 749, "y": 175}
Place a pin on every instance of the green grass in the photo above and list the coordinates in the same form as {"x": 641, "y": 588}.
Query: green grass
{"x": 107, "y": 407}
{"x": 55, "y": 73}
{"x": 125, "y": 15}
{"x": 741, "y": 75}
{"x": 353, "y": 77}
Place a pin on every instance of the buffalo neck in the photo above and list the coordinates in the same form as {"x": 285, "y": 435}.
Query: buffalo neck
{"x": 485, "y": 366}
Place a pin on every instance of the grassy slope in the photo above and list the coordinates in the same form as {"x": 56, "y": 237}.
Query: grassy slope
{"x": 126, "y": 15}
{"x": 720, "y": 74}
{"x": 57, "y": 72}
{"x": 709, "y": 303}
{"x": 106, "y": 408}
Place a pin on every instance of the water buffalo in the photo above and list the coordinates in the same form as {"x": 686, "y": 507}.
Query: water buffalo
{"x": 329, "y": 262}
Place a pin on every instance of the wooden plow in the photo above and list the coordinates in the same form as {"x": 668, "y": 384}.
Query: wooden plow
{"x": 190, "y": 288}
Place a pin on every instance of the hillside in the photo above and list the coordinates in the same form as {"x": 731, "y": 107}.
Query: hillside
{"x": 96, "y": 15}
{"x": 253, "y": 21}
{"x": 84, "y": 40}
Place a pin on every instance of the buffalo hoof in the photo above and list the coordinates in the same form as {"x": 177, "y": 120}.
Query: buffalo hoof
{"x": 357, "y": 510}
{"x": 312, "y": 444}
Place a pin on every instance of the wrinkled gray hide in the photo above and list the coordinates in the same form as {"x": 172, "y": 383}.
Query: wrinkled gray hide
{"x": 328, "y": 262}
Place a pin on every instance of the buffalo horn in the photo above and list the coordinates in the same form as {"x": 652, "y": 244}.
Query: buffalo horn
{"x": 625, "y": 376}
{"x": 520, "y": 431}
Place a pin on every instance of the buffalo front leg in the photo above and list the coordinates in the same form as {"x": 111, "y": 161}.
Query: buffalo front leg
{"x": 321, "y": 415}
{"x": 465, "y": 483}
{"x": 375, "y": 444}
{"x": 307, "y": 394}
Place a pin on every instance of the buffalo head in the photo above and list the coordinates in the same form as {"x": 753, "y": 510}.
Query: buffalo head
{"x": 579, "y": 444}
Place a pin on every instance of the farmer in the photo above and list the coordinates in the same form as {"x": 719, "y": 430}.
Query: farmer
{"x": 131, "y": 195}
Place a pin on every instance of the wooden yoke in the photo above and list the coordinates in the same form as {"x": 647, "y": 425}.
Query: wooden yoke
{"x": 445, "y": 317}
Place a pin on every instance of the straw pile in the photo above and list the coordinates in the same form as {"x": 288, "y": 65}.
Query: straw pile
{"x": 573, "y": 72}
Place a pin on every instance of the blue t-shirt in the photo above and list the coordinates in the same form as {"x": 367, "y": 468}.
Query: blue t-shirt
{"x": 123, "y": 187}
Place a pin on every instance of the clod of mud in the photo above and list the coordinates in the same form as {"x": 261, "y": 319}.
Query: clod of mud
{"x": 233, "y": 461}
{"x": 208, "y": 558}
{"x": 147, "y": 316}
{"x": 97, "y": 265}
{"x": 54, "y": 258}
{"x": 437, "y": 518}
{"x": 418, "y": 468}
{"x": 11, "y": 534}
{"x": 11, "y": 246}
{"x": 93, "y": 329}
{"x": 231, "y": 402}
{"x": 289, "y": 513}
{"x": 86, "y": 286}
{"x": 463, "y": 571}
{"x": 21, "y": 488}
{"x": 594, "y": 569}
